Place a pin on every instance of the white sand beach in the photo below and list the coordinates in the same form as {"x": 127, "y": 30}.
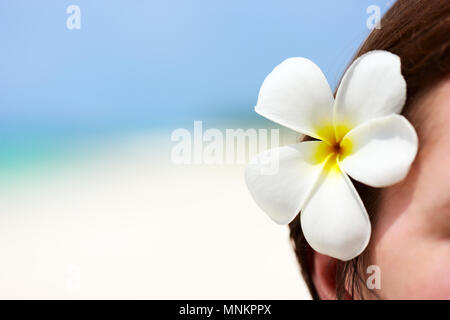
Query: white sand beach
{"x": 127, "y": 223}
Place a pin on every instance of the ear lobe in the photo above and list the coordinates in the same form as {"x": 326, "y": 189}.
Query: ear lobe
{"x": 324, "y": 276}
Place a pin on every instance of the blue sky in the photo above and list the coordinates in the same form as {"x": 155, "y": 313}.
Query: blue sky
{"x": 147, "y": 64}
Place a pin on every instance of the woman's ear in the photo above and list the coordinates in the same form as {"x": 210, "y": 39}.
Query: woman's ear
{"x": 324, "y": 276}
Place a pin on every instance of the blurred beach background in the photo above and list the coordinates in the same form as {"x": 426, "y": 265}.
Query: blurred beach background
{"x": 91, "y": 203}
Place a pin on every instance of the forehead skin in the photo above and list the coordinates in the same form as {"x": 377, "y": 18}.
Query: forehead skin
{"x": 411, "y": 236}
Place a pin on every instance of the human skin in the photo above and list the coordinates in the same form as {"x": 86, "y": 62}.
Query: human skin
{"x": 411, "y": 235}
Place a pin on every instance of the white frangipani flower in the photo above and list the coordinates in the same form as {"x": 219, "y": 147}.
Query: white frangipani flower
{"x": 360, "y": 134}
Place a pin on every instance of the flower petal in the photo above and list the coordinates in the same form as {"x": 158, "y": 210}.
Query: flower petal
{"x": 280, "y": 179}
{"x": 380, "y": 151}
{"x": 372, "y": 87}
{"x": 296, "y": 95}
{"x": 334, "y": 220}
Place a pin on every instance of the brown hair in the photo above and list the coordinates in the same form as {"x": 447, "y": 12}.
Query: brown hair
{"x": 418, "y": 31}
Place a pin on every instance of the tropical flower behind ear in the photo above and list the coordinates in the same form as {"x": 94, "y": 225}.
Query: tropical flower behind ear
{"x": 359, "y": 134}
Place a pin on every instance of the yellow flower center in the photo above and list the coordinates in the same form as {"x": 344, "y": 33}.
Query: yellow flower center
{"x": 335, "y": 147}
